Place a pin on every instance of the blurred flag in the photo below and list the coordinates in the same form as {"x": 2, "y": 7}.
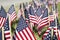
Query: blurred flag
{"x": 0, "y": 34}
{"x": 2, "y": 16}
{"x": 23, "y": 31}
{"x": 35, "y": 4}
{"x": 32, "y": 16}
{"x": 47, "y": 31}
{"x": 12, "y": 13}
{"x": 19, "y": 11}
{"x": 44, "y": 20}
{"x": 48, "y": 36}
{"x": 26, "y": 15}
{"x": 7, "y": 30}
{"x": 51, "y": 17}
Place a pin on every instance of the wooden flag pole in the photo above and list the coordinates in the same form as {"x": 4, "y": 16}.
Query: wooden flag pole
{"x": 2, "y": 33}
{"x": 10, "y": 27}
{"x": 55, "y": 16}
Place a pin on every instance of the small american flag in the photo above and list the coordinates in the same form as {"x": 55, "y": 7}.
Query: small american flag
{"x": 48, "y": 36}
{"x": 26, "y": 15}
{"x": 23, "y": 31}
{"x": 44, "y": 20}
{"x": 12, "y": 13}
{"x": 7, "y": 30}
{"x": 32, "y": 16}
{"x": 52, "y": 25}
{"x": 2, "y": 16}
{"x": 51, "y": 17}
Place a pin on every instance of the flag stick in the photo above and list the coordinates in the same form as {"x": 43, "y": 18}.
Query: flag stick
{"x": 2, "y": 33}
{"x": 10, "y": 27}
{"x": 55, "y": 16}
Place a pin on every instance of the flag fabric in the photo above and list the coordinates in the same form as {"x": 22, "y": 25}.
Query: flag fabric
{"x": 44, "y": 20}
{"x": 52, "y": 25}
{"x": 26, "y": 15}
{"x": 32, "y": 16}
{"x": 51, "y": 17}
{"x": 2, "y": 16}
{"x": 0, "y": 34}
{"x": 12, "y": 13}
{"x": 47, "y": 35}
{"x": 7, "y": 30}
{"x": 35, "y": 4}
{"x": 47, "y": 31}
{"x": 23, "y": 31}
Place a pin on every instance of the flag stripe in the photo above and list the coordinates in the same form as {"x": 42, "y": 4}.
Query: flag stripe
{"x": 18, "y": 36}
{"x": 28, "y": 34}
{"x": 13, "y": 16}
{"x": 21, "y": 36}
{"x": 24, "y": 34}
{"x": 33, "y": 37}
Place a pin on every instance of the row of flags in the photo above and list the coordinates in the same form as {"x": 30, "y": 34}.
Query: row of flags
{"x": 22, "y": 32}
{"x": 37, "y": 15}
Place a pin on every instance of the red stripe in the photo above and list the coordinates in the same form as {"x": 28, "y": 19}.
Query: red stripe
{"x": 24, "y": 35}
{"x": 28, "y": 34}
{"x": 20, "y": 35}
{"x": 17, "y": 36}
{"x": 1, "y": 21}
{"x": 7, "y": 38}
{"x": 44, "y": 22}
{"x": 42, "y": 26}
{"x": 32, "y": 33}
{"x": 7, "y": 33}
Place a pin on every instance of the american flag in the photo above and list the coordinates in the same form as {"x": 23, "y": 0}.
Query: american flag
{"x": 39, "y": 15}
{"x": 48, "y": 36}
{"x": 26, "y": 15}
{"x": 0, "y": 34}
{"x": 44, "y": 20}
{"x": 51, "y": 17}
{"x": 2, "y": 16}
{"x": 12, "y": 13}
{"x": 23, "y": 31}
{"x": 32, "y": 16}
{"x": 52, "y": 25}
{"x": 7, "y": 30}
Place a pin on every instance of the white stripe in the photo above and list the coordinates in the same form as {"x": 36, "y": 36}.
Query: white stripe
{"x": 23, "y": 35}
{"x": 41, "y": 24}
{"x": 6, "y": 31}
{"x": 33, "y": 21}
{"x": 7, "y": 36}
{"x": 26, "y": 34}
{"x": 18, "y": 35}
{"x": 43, "y": 21}
{"x": 30, "y": 33}
{"x": 47, "y": 30}
{"x": 8, "y": 39}
{"x": 45, "y": 18}
{"x": 45, "y": 34}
